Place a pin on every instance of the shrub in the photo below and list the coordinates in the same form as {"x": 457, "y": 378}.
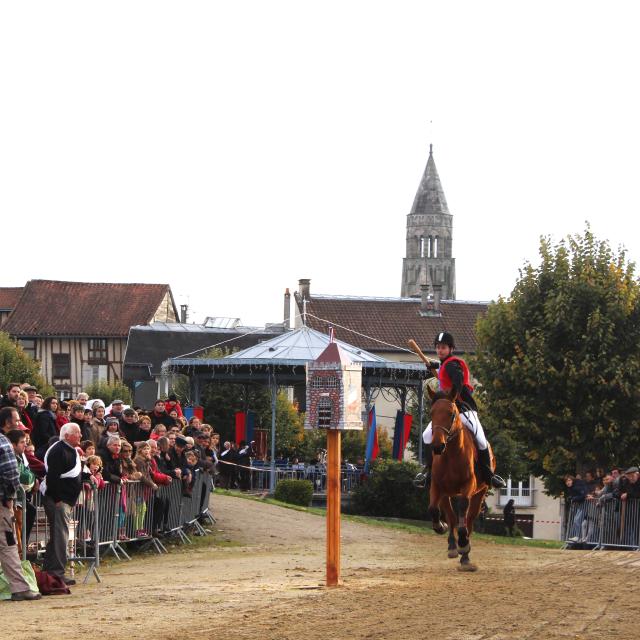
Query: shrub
{"x": 294, "y": 492}
{"x": 108, "y": 392}
{"x": 389, "y": 491}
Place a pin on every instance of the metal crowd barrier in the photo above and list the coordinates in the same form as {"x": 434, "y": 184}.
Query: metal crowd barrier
{"x": 316, "y": 474}
{"x": 105, "y": 519}
{"x": 602, "y": 524}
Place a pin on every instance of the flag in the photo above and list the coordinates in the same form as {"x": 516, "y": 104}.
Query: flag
{"x": 408, "y": 421}
{"x": 241, "y": 425}
{"x": 250, "y": 426}
{"x": 401, "y": 433}
{"x": 372, "y": 449}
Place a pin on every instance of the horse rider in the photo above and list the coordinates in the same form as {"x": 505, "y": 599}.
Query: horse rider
{"x": 453, "y": 373}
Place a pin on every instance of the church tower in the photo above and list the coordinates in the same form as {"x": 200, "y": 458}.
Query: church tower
{"x": 429, "y": 257}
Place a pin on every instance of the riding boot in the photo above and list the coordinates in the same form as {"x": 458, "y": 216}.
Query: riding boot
{"x": 423, "y": 479}
{"x": 488, "y": 476}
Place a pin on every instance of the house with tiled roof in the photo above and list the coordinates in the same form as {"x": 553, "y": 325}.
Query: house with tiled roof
{"x": 9, "y": 297}
{"x": 78, "y": 330}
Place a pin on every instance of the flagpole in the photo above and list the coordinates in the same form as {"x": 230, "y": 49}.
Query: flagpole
{"x": 333, "y": 507}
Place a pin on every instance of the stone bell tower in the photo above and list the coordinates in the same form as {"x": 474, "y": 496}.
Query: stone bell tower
{"x": 429, "y": 253}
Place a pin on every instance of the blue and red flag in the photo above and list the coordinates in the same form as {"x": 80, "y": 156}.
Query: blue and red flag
{"x": 401, "y": 433}
{"x": 372, "y": 450}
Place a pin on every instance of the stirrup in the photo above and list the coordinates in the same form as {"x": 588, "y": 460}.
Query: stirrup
{"x": 421, "y": 481}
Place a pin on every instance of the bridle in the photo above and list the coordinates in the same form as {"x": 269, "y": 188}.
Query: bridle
{"x": 454, "y": 428}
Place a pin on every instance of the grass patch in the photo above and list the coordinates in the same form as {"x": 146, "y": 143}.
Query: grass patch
{"x": 409, "y": 526}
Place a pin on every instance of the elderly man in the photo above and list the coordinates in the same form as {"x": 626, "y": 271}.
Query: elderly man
{"x": 9, "y": 483}
{"x": 61, "y": 489}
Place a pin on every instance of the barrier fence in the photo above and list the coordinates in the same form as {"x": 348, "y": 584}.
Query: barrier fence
{"x": 105, "y": 519}
{"x": 602, "y": 524}
{"x": 257, "y": 477}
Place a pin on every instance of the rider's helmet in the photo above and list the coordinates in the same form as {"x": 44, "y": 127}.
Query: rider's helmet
{"x": 444, "y": 338}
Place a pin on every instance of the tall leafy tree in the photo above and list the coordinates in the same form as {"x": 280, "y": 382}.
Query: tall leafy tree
{"x": 559, "y": 360}
{"x": 17, "y": 366}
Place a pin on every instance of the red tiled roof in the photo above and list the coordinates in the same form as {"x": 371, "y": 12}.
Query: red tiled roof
{"x": 55, "y": 308}
{"x": 394, "y": 321}
{"x": 9, "y": 297}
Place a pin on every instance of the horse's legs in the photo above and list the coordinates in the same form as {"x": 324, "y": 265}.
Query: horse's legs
{"x": 462, "y": 507}
{"x": 434, "y": 511}
{"x": 452, "y": 550}
{"x": 474, "y": 509}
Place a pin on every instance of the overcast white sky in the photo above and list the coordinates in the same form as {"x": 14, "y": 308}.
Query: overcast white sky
{"x": 229, "y": 149}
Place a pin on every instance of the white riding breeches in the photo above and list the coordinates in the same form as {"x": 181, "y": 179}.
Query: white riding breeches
{"x": 470, "y": 420}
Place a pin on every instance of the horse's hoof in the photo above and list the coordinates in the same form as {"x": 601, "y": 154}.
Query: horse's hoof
{"x": 465, "y": 549}
{"x": 441, "y": 527}
{"x": 468, "y": 567}
{"x": 452, "y": 553}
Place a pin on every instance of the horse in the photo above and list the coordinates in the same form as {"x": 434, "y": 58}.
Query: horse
{"x": 453, "y": 477}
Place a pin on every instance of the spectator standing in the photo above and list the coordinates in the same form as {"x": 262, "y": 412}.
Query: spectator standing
{"x": 32, "y": 405}
{"x": 111, "y": 462}
{"x": 129, "y": 425}
{"x": 159, "y": 415}
{"x": 116, "y": 409}
{"x": 21, "y": 404}
{"x": 9, "y": 483}
{"x": 45, "y": 427}
{"x": 173, "y": 404}
{"x": 10, "y": 399}
{"x": 509, "y": 515}
{"x": 62, "y": 487}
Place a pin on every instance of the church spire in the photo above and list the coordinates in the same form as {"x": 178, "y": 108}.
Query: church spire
{"x": 430, "y": 195}
{"x": 429, "y": 254}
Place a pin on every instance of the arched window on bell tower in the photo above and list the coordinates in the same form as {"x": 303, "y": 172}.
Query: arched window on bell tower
{"x": 430, "y": 247}
{"x": 435, "y": 247}
{"x": 421, "y": 246}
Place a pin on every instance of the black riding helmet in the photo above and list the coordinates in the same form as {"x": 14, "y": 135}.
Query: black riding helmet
{"x": 444, "y": 338}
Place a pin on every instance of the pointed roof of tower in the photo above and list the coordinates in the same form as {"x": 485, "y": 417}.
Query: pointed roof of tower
{"x": 430, "y": 196}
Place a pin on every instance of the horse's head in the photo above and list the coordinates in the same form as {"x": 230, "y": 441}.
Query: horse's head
{"x": 445, "y": 422}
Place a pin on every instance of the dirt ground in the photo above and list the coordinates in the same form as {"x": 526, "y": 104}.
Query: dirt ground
{"x": 266, "y": 581}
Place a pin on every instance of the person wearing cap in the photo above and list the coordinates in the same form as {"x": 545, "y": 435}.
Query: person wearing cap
{"x": 116, "y": 409}
{"x": 32, "y": 405}
{"x": 173, "y": 404}
{"x": 454, "y": 376}
{"x": 111, "y": 428}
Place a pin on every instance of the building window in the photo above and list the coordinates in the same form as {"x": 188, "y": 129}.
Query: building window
{"x": 64, "y": 393}
{"x": 435, "y": 247}
{"x": 324, "y": 382}
{"x": 61, "y": 366}
{"x": 324, "y": 412}
{"x": 28, "y": 346}
{"x": 430, "y": 247}
{"x": 422, "y": 246}
{"x": 98, "y": 351}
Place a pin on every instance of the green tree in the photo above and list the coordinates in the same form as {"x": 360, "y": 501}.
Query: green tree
{"x": 108, "y": 391}
{"x": 17, "y": 366}
{"x": 559, "y": 360}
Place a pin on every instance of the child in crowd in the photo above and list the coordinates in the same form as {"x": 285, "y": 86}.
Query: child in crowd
{"x": 145, "y": 491}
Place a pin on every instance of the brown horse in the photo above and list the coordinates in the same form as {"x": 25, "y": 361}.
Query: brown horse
{"x": 453, "y": 477}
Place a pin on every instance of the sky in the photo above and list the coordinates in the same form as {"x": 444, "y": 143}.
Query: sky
{"x": 230, "y": 148}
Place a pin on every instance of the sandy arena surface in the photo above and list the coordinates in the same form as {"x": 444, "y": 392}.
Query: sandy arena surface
{"x": 395, "y": 585}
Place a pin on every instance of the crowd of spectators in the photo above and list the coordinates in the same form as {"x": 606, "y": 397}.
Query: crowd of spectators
{"x": 64, "y": 448}
{"x": 598, "y": 488}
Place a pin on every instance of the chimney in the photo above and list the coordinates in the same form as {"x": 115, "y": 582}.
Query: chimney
{"x": 287, "y": 309}
{"x": 304, "y": 288}
{"x": 424, "y": 298}
{"x": 437, "y": 295}
{"x": 183, "y": 313}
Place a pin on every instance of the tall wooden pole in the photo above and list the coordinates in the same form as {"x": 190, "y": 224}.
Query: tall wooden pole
{"x": 333, "y": 507}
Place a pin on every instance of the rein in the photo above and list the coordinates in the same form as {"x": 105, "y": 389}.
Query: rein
{"x": 456, "y": 425}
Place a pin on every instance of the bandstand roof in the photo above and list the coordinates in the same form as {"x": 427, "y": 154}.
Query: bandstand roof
{"x": 284, "y": 357}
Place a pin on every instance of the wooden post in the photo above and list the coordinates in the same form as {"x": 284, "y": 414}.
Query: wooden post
{"x": 333, "y": 507}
